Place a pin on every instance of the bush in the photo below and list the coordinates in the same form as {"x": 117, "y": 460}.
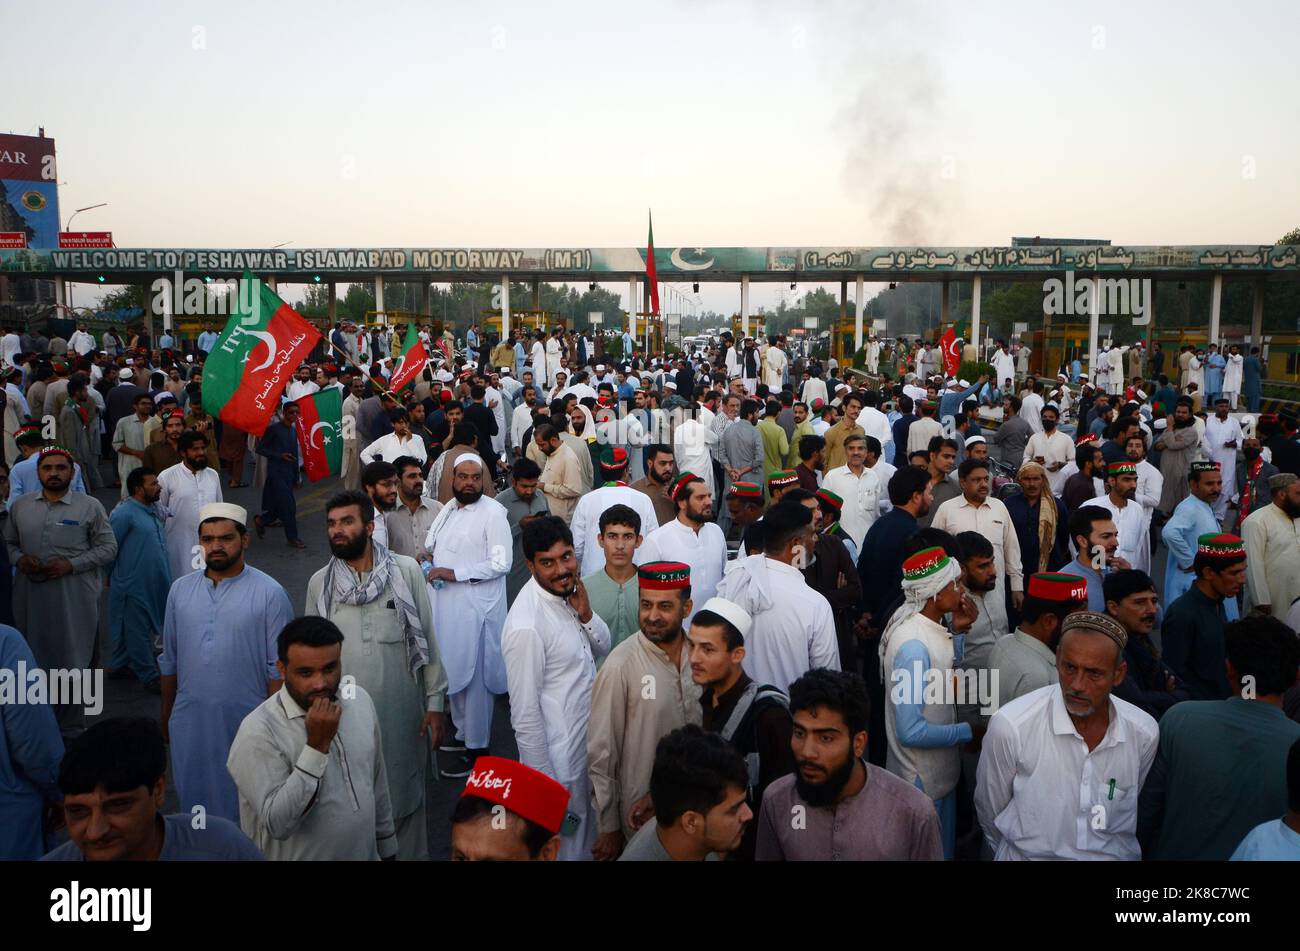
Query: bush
{"x": 972, "y": 370}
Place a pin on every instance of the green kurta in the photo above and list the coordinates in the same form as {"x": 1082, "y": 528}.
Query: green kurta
{"x": 617, "y": 604}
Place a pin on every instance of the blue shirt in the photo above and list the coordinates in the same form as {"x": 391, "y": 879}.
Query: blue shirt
{"x": 1096, "y": 597}
{"x": 1269, "y": 842}
{"x": 219, "y": 841}
{"x": 207, "y": 340}
{"x": 22, "y": 478}
{"x": 910, "y": 725}
{"x": 166, "y": 342}
{"x": 30, "y": 752}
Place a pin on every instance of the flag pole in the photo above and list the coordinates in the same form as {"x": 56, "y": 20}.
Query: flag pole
{"x": 347, "y": 358}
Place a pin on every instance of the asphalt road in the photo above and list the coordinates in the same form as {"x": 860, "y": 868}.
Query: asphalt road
{"x": 292, "y": 569}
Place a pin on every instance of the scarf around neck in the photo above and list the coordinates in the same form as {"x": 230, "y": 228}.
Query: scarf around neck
{"x": 344, "y": 586}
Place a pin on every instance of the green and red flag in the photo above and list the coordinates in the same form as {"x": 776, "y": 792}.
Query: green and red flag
{"x": 320, "y": 433}
{"x": 264, "y": 341}
{"x": 414, "y": 358}
{"x": 651, "y": 275}
{"x": 951, "y": 352}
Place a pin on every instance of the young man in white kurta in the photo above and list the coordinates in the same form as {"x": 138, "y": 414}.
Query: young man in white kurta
{"x": 860, "y": 489}
{"x": 1054, "y": 451}
{"x": 540, "y": 376}
{"x": 471, "y": 549}
{"x": 586, "y": 517}
{"x": 1232, "y": 375}
{"x": 1222, "y": 440}
{"x": 550, "y": 662}
{"x": 692, "y": 537}
{"x": 1128, "y": 514}
{"x": 185, "y": 490}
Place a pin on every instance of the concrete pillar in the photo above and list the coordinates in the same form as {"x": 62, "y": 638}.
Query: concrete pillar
{"x": 975, "y": 317}
{"x": 423, "y": 299}
{"x": 60, "y": 291}
{"x": 379, "y": 293}
{"x": 1216, "y": 303}
{"x": 645, "y": 307}
{"x": 744, "y": 306}
{"x": 334, "y": 304}
{"x": 1257, "y": 318}
{"x": 857, "y": 320}
{"x": 537, "y": 293}
{"x": 631, "y": 306}
{"x": 505, "y": 306}
{"x": 1094, "y": 325}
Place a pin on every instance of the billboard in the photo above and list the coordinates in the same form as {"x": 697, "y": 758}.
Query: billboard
{"x": 29, "y": 196}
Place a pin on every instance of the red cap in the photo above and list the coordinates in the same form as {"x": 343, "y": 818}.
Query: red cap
{"x": 664, "y": 576}
{"x": 521, "y": 789}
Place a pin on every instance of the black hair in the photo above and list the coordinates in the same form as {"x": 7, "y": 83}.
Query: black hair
{"x": 377, "y": 472}
{"x": 402, "y": 463}
{"x": 1216, "y": 563}
{"x": 190, "y": 438}
{"x": 477, "y": 391}
{"x": 1264, "y": 648}
{"x": 360, "y": 499}
{"x": 1084, "y": 517}
{"x": 974, "y": 545}
{"x": 543, "y": 533}
{"x": 312, "y": 630}
{"x": 905, "y": 483}
{"x": 464, "y": 434}
{"x": 783, "y": 522}
{"x": 620, "y": 515}
{"x": 1033, "y": 608}
{"x": 942, "y": 442}
{"x": 932, "y": 538}
{"x": 809, "y": 445}
{"x": 692, "y": 772}
{"x": 399, "y": 415}
{"x": 471, "y": 808}
{"x": 749, "y": 407}
{"x": 772, "y": 407}
{"x": 1085, "y": 454}
{"x": 654, "y": 449}
{"x": 1125, "y": 583}
{"x": 135, "y": 479}
{"x": 545, "y": 432}
{"x": 731, "y": 635}
{"x": 1015, "y": 402}
{"x": 969, "y": 465}
{"x": 525, "y": 468}
{"x": 119, "y": 753}
{"x": 838, "y": 690}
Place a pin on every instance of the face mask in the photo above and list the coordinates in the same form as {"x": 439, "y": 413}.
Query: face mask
{"x": 1049, "y": 424}
{"x": 1251, "y": 454}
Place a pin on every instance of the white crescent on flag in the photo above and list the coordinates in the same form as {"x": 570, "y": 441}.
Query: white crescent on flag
{"x": 272, "y": 344}
{"x": 311, "y": 436}
{"x": 683, "y": 265}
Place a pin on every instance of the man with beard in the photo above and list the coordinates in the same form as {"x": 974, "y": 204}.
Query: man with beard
{"x": 470, "y": 551}
{"x": 218, "y": 660}
{"x": 410, "y": 519}
{"x": 1127, "y": 514}
{"x": 1221, "y": 441}
{"x": 1191, "y": 634}
{"x": 379, "y": 479}
{"x": 1051, "y": 448}
{"x": 139, "y": 583}
{"x": 1150, "y": 685}
{"x": 915, "y": 649}
{"x": 1193, "y": 518}
{"x": 114, "y": 783}
{"x": 692, "y": 537}
{"x": 1150, "y": 483}
{"x": 745, "y": 507}
{"x": 162, "y": 455}
{"x": 832, "y": 570}
{"x": 549, "y": 642}
{"x": 981, "y": 579}
{"x": 753, "y": 718}
{"x": 523, "y": 504}
{"x": 1176, "y": 446}
{"x": 615, "y": 491}
{"x": 975, "y": 511}
{"x": 1272, "y": 537}
{"x": 500, "y": 787}
{"x": 1026, "y": 660}
{"x": 1040, "y": 791}
{"x": 279, "y": 446}
{"x": 561, "y": 480}
{"x": 376, "y": 599}
{"x": 303, "y": 796}
{"x": 59, "y": 542}
{"x": 627, "y": 719}
{"x": 852, "y": 810}
{"x": 1253, "y": 475}
{"x": 697, "y": 794}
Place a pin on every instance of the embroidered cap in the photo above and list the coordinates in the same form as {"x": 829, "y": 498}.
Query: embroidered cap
{"x": 925, "y": 563}
{"x": 683, "y": 480}
{"x": 664, "y": 576}
{"x": 529, "y": 794}
{"x": 1050, "y": 586}
{"x": 779, "y": 480}
{"x": 1203, "y": 466}
{"x": 830, "y": 498}
{"x": 53, "y": 451}
{"x": 1122, "y": 468}
{"x": 29, "y": 435}
{"x": 746, "y": 490}
{"x": 1097, "y": 624}
{"x": 613, "y": 458}
{"x": 1086, "y": 438}
{"x": 1220, "y": 545}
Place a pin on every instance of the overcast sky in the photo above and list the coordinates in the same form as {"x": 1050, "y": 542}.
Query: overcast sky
{"x": 530, "y": 125}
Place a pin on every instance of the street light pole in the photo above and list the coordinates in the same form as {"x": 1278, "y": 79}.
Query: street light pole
{"x": 67, "y": 286}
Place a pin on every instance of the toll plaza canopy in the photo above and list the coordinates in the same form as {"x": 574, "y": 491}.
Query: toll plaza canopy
{"x": 132, "y": 265}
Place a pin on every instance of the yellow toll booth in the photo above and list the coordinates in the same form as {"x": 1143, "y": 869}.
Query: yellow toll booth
{"x": 530, "y": 320}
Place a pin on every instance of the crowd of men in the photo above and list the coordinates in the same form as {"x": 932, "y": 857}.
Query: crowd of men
{"x": 744, "y": 606}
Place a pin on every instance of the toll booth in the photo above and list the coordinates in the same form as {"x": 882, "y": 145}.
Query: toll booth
{"x": 530, "y": 320}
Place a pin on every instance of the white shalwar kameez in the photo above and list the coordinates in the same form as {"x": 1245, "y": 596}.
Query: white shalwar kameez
{"x": 183, "y": 494}
{"x": 550, "y": 658}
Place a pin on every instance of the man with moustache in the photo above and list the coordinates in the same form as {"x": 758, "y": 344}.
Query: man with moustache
{"x": 657, "y": 481}
{"x": 1149, "y": 685}
{"x": 380, "y": 482}
{"x": 1191, "y": 635}
{"x": 852, "y": 811}
{"x": 753, "y": 718}
{"x": 523, "y": 504}
{"x": 470, "y": 551}
{"x": 303, "y": 796}
{"x": 692, "y": 537}
{"x": 218, "y": 659}
{"x": 186, "y": 488}
{"x": 549, "y": 642}
{"x": 376, "y": 599}
{"x": 643, "y": 691}
{"x": 1176, "y": 446}
{"x": 1026, "y": 660}
{"x": 1127, "y": 514}
{"x": 279, "y": 446}
{"x": 1058, "y": 759}
{"x": 1272, "y": 538}
{"x": 534, "y": 802}
{"x": 408, "y": 523}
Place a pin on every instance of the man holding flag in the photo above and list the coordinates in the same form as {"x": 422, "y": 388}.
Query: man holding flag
{"x": 412, "y": 359}
{"x": 279, "y": 446}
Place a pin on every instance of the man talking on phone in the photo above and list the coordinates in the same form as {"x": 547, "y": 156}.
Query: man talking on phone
{"x": 550, "y": 643}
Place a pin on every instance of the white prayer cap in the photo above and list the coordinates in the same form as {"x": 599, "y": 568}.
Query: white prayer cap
{"x": 189, "y": 358}
{"x": 503, "y": 369}
{"x": 670, "y": 385}
{"x": 973, "y": 440}
{"x": 1161, "y": 423}
{"x": 467, "y": 457}
{"x": 125, "y": 373}
{"x": 600, "y": 368}
{"x": 732, "y": 611}
{"x": 223, "y": 510}
{"x": 129, "y": 361}
{"x": 964, "y": 384}
{"x": 843, "y": 386}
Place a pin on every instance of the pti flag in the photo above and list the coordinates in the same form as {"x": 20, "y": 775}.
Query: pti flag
{"x": 951, "y": 352}
{"x": 265, "y": 340}
{"x": 651, "y": 276}
{"x": 320, "y": 433}
{"x": 414, "y": 358}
